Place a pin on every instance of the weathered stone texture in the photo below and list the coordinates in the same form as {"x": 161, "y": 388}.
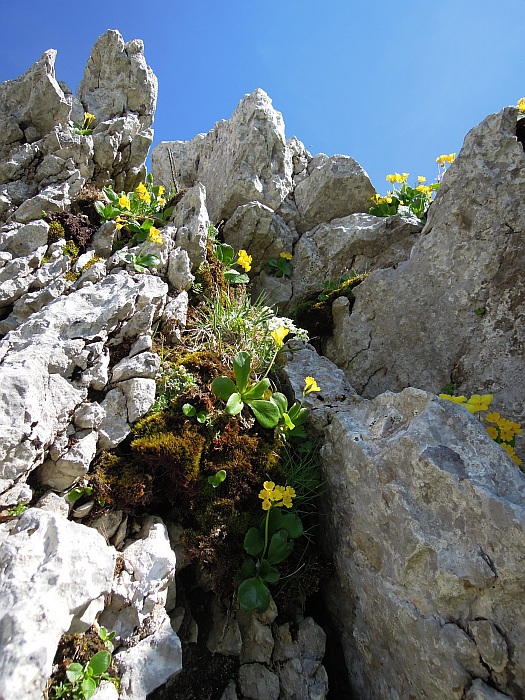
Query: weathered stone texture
{"x": 455, "y": 310}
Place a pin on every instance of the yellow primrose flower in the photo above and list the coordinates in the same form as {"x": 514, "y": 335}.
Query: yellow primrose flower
{"x": 269, "y": 485}
{"x": 510, "y": 450}
{"x": 310, "y": 385}
{"x": 140, "y": 188}
{"x": 404, "y": 177}
{"x": 493, "y": 417}
{"x": 279, "y": 335}
{"x": 389, "y": 200}
{"x": 454, "y": 399}
{"x": 492, "y": 431}
{"x": 244, "y": 260}
{"x": 478, "y": 403}
{"x": 421, "y": 179}
{"x": 266, "y": 505}
{"x": 286, "y": 256}
{"x": 521, "y": 104}
{"x": 124, "y": 201}
{"x": 162, "y": 201}
{"x": 161, "y": 191}
{"x": 119, "y": 223}
{"x": 88, "y": 118}
{"x": 154, "y": 236}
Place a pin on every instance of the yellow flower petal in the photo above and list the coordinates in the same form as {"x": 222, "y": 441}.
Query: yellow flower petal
{"x": 279, "y": 335}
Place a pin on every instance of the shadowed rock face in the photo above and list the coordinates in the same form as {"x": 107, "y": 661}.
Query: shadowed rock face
{"x": 455, "y": 310}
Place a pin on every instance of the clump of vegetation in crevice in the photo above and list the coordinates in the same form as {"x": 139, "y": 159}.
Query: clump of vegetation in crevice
{"x": 314, "y": 312}
{"x": 76, "y": 228}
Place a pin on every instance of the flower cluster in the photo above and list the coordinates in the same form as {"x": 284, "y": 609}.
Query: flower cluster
{"x": 396, "y": 177}
{"x": 276, "y": 496}
{"x": 521, "y": 104}
{"x": 442, "y": 160}
{"x": 286, "y": 256}
{"x": 503, "y": 430}
{"x": 244, "y": 260}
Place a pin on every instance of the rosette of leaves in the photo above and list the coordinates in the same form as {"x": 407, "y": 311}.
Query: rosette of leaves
{"x": 241, "y": 392}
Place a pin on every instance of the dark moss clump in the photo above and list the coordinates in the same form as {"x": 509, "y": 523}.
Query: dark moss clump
{"x": 84, "y": 204}
{"x": 76, "y": 227}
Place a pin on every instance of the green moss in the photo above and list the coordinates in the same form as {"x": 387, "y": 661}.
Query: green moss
{"x": 71, "y": 249}
{"x": 94, "y": 259}
{"x": 55, "y": 233}
{"x": 71, "y": 276}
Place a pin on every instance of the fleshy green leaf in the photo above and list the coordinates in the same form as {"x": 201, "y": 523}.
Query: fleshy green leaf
{"x": 241, "y": 370}
{"x": 280, "y": 547}
{"x": 234, "y": 405}
{"x": 100, "y": 662}
{"x": 253, "y": 541}
{"x": 253, "y": 594}
{"x": 224, "y": 253}
{"x": 268, "y": 573}
{"x": 88, "y": 686}
{"x": 189, "y": 410}
{"x": 280, "y": 401}
{"x": 256, "y": 391}
{"x": 74, "y": 672}
{"x": 223, "y": 387}
{"x": 265, "y": 412}
{"x": 247, "y": 570}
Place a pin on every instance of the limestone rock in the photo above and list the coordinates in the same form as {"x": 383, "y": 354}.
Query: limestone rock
{"x": 31, "y": 106}
{"x": 190, "y": 217}
{"x": 241, "y": 160}
{"x": 257, "y": 229}
{"x": 143, "y": 365}
{"x": 453, "y": 311}
{"x": 418, "y": 496}
{"x": 256, "y": 682}
{"x": 150, "y": 663}
{"x": 359, "y": 242}
{"x": 225, "y": 635}
{"x": 140, "y": 395}
{"x": 481, "y": 691}
{"x": 43, "y": 590}
{"x": 179, "y": 269}
{"x": 63, "y": 473}
{"x": 336, "y": 186}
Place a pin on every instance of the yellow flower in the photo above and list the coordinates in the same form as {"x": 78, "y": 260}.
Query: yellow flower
{"x": 454, "y": 399}
{"x": 161, "y": 191}
{"x": 521, "y": 104}
{"x": 492, "y": 431}
{"x": 391, "y": 178}
{"x": 510, "y": 450}
{"x": 244, "y": 260}
{"x": 143, "y": 193}
{"x": 162, "y": 201}
{"x": 119, "y": 223}
{"x": 279, "y": 335}
{"x": 450, "y": 158}
{"x": 310, "y": 385}
{"x": 478, "y": 403}
{"x": 404, "y": 177}
{"x": 88, "y": 118}
{"x": 421, "y": 179}
{"x": 286, "y": 256}
{"x": 269, "y": 485}
{"x": 124, "y": 201}
{"x": 493, "y": 417}
{"x": 266, "y": 505}
{"x": 154, "y": 236}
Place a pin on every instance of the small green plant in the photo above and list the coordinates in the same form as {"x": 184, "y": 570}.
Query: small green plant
{"x": 78, "y": 492}
{"x": 83, "y": 129}
{"x": 410, "y": 200}
{"x": 71, "y": 249}
{"x": 226, "y": 255}
{"x": 131, "y": 210}
{"x": 141, "y": 261}
{"x": 82, "y": 681}
{"x": 107, "y": 638}
{"x": 268, "y": 545}
{"x": 172, "y": 381}
{"x": 331, "y": 288}
{"x": 501, "y": 430}
{"x": 281, "y": 266}
{"x": 242, "y": 391}
{"x": 216, "y": 479}
{"x": 18, "y": 509}
{"x": 190, "y": 411}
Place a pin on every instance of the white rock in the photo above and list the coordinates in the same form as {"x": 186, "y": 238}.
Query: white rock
{"x": 179, "y": 269}
{"x": 114, "y": 427}
{"x": 256, "y": 682}
{"x": 43, "y": 589}
{"x": 63, "y": 473}
{"x": 89, "y": 415}
{"x": 140, "y": 395}
{"x": 144, "y": 365}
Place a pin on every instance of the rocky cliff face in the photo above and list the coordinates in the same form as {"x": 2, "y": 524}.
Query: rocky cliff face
{"x": 425, "y": 517}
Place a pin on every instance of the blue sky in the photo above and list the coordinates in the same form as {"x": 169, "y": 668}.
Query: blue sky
{"x": 392, "y": 84}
